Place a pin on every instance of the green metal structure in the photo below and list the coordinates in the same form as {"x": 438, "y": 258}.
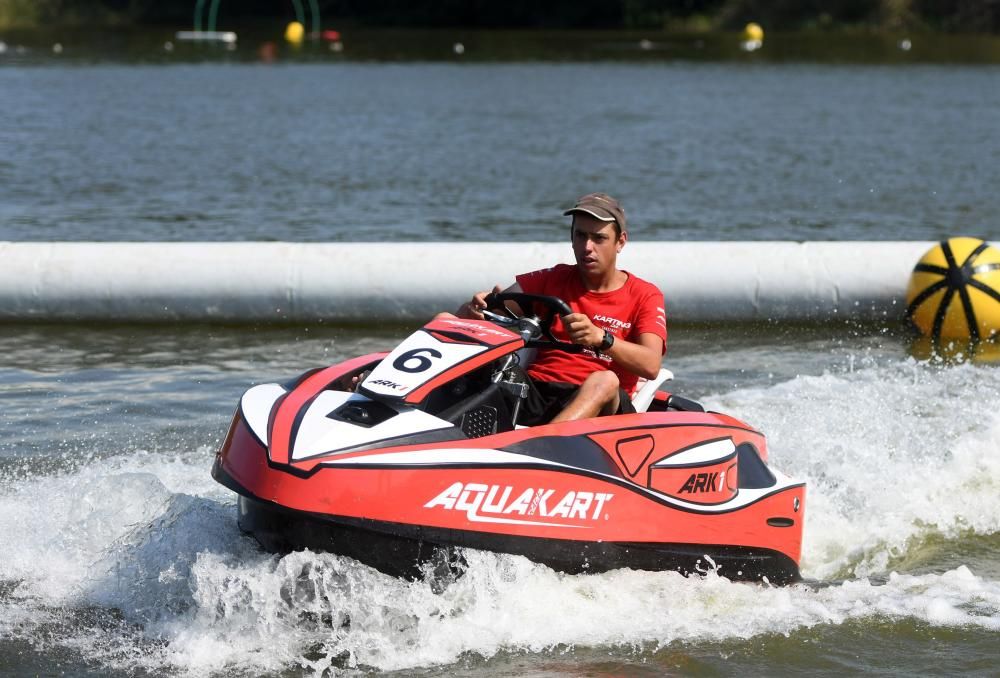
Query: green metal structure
{"x": 213, "y": 14}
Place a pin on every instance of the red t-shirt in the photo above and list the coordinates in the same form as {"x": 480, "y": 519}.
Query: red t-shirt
{"x": 634, "y": 308}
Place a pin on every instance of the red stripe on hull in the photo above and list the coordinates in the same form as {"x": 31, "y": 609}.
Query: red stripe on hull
{"x": 281, "y": 428}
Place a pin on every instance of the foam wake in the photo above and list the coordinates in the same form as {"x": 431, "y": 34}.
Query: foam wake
{"x": 136, "y": 561}
{"x": 893, "y": 455}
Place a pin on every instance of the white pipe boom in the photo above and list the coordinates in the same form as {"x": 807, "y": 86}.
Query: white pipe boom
{"x": 370, "y": 282}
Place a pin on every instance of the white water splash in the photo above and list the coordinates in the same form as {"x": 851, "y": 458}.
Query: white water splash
{"x": 892, "y": 455}
{"x": 323, "y": 612}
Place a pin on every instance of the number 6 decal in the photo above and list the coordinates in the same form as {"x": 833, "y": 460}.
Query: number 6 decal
{"x": 422, "y": 361}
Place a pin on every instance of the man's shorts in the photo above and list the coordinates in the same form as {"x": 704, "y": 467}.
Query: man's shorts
{"x": 546, "y": 399}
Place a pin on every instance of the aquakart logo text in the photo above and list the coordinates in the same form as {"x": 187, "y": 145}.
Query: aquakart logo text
{"x": 493, "y": 504}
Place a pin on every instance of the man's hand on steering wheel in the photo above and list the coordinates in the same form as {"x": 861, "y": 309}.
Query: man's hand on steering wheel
{"x": 582, "y": 330}
{"x": 534, "y": 315}
{"x": 473, "y": 309}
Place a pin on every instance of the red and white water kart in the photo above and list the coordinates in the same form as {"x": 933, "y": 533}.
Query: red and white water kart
{"x": 427, "y": 454}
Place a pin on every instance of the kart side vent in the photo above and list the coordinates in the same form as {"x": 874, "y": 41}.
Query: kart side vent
{"x": 754, "y": 474}
{"x": 366, "y": 413}
{"x": 479, "y": 422}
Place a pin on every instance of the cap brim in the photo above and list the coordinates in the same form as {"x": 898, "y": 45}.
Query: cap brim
{"x": 602, "y": 216}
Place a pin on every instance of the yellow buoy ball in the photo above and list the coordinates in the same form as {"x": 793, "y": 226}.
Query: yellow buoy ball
{"x": 954, "y": 292}
{"x": 752, "y": 32}
{"x": 294, "y": 32}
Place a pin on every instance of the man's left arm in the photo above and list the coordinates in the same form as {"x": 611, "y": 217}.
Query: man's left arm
{"x": 641, "y": 357}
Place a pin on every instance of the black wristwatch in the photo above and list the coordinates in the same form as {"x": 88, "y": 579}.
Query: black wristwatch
{"x": 606, "y": 343}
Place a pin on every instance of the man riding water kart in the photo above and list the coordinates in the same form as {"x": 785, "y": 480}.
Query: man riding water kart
{"x": 426, "y": 453}
{"x": 617, "y": 317}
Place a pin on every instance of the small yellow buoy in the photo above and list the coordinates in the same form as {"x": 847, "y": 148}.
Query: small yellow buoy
{"x": 954, "y": 291}
{"x": 752, "y": 37}
{"x": 752, "y": 32}
{"x": 294, "y": 32}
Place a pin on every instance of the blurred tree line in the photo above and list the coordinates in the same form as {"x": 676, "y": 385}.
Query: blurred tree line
{"x": 685, "y": 15}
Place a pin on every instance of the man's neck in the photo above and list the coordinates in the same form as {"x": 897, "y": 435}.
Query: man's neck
{"x": 609, "y": 282}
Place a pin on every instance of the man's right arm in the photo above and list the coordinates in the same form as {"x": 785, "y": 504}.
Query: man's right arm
{"x": 473, "y": 309}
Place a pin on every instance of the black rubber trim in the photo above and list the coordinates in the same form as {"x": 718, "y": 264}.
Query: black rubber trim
{"x": 780, "y": 522}
{"x": 401, "y": 549}
{"x": 575, "y": 451}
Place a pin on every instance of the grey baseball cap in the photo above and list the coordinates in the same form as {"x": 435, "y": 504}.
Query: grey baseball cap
{"x": 600, "y": 206}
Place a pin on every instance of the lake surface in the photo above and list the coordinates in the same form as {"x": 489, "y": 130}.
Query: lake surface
{"x": 359, "y": 150}
{"x": 122, "y": 557}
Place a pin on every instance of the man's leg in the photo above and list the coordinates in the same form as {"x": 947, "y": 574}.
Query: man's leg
{"x": 598, "y": 394}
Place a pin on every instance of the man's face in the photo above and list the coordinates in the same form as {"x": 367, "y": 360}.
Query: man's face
{"x": 595, "y": 244}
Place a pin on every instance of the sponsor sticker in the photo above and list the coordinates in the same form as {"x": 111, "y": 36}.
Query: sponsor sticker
{"x": 476, "y": 329}
{"x": 388, "y": 384}
{"x": 612, "y": 323}
{"x": 704, "y": 482}
{"x": 483, "y": 503}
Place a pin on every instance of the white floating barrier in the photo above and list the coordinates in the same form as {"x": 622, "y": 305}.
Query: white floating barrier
{"x": 369, "y": 282}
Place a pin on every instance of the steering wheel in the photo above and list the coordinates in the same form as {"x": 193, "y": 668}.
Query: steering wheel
{"x": 531, "y": 326}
